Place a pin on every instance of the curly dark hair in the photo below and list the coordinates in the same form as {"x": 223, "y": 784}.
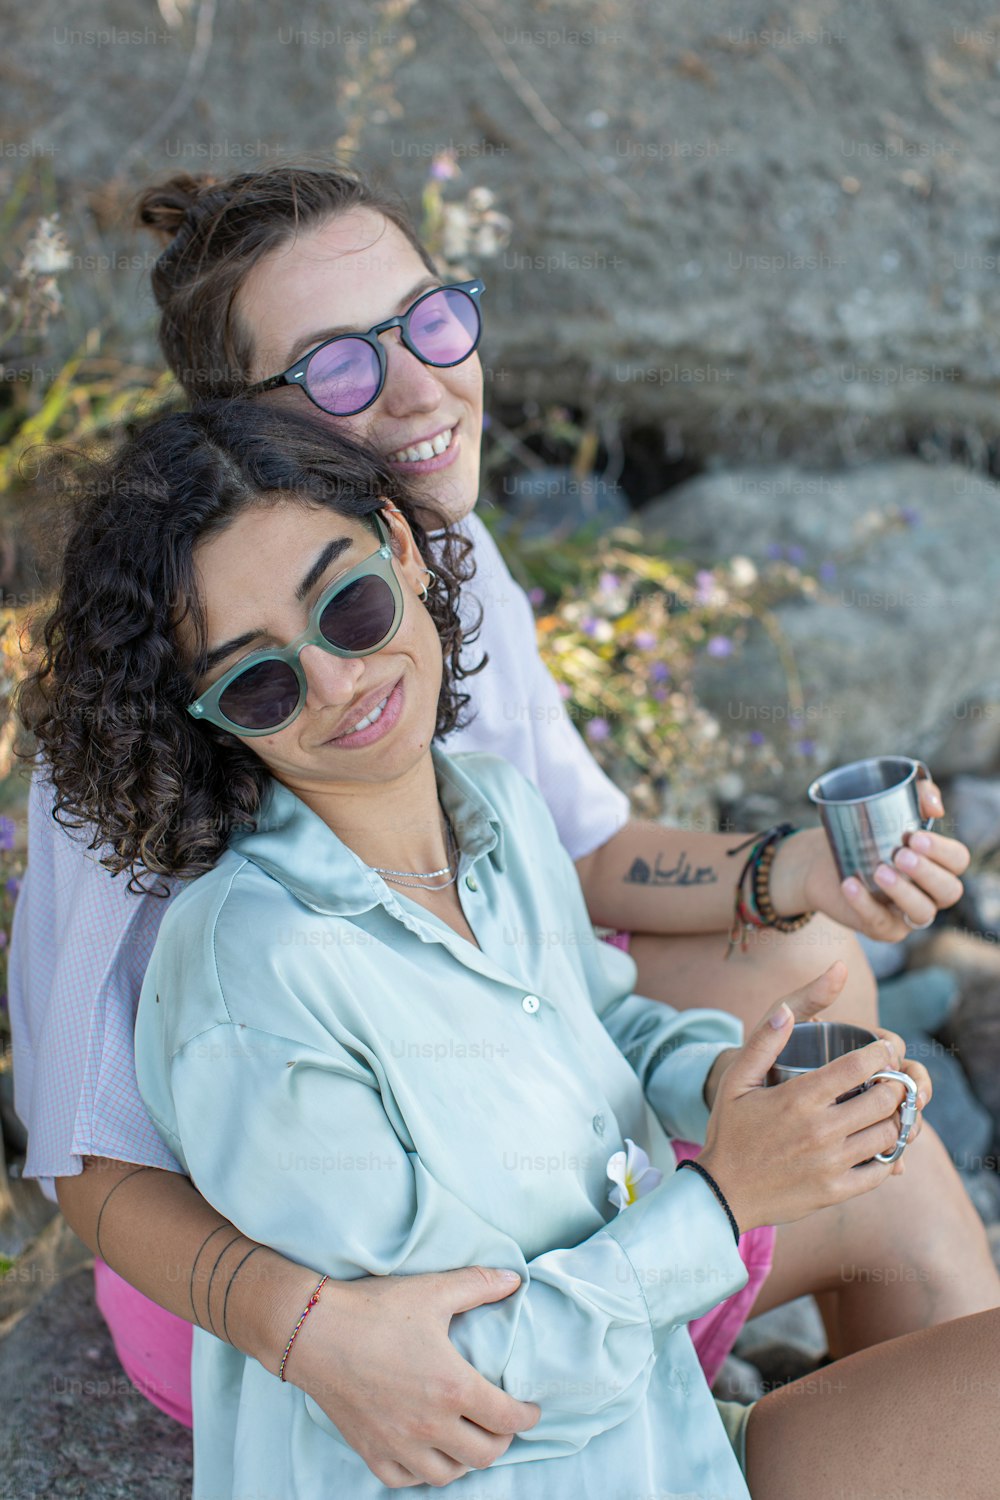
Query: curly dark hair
{"x": 107, "y": 704}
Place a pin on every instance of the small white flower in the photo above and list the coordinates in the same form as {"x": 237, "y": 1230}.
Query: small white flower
{"x": 632, "y": 1175}
{"x": 47, "y": 252}
{"x": 742, "y": 571}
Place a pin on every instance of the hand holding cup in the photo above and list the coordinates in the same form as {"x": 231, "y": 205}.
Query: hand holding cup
{"x": 875, "y": 866}
{"x": 779, "y": 1154}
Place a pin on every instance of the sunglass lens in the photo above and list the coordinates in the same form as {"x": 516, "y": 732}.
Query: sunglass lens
{"x": 361, "y": 616}
{"x": 262, "y": 697}
{"x": 445, "y": 327}
{"x": 344, "y": 376}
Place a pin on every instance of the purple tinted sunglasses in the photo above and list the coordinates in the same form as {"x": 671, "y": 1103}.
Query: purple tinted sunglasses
{"x": 346, "y": 374}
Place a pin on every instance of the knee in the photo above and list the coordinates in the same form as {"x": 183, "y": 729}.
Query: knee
{"x": 814, "y": 948}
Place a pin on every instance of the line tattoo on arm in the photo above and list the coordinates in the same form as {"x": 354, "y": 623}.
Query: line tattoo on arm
{"x": 640, "y": 872}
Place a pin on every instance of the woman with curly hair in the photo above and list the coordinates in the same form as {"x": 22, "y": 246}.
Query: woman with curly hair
{"x": 245, "y": 672}
{"x": 309, "y": 288}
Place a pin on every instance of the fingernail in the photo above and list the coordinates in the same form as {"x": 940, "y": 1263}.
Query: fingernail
{"x": 781, "y": 1017}
{"x": 509, "y": 1276}
{"x": 852, "y": 887}
{"x": 885, "y": 875}
{"x": 907, "y": 860}
{"x": 921, "y": 1098}
{"x": 935, "y": 802}
{"x": 920, "y": 842}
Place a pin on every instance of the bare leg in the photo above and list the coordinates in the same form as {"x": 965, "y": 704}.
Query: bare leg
{"x": 911, "y": 1254}
{"x": 690, "y": 971}
{"x": 914, "y": 1417}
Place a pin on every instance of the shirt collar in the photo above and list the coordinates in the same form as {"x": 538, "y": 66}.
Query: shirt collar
{"x": 292, "y": 844}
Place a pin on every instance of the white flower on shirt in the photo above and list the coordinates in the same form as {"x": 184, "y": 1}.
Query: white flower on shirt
{"x": 632, "y": 1175}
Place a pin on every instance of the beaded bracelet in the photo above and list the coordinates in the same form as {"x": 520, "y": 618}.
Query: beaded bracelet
{"x": 305, "y": 1313}
{"x": 703, "y": 1172}
{"x": 756, "y": 908}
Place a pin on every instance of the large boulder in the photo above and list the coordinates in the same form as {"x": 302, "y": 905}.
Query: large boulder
{"x": 775, "y": 232}
{"x": 901, "y": 639}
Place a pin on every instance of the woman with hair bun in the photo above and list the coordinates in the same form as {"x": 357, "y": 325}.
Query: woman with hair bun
{"x": 311, "y": 278}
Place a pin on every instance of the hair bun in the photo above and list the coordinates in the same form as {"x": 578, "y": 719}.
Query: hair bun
{"x": 164, "y": 207}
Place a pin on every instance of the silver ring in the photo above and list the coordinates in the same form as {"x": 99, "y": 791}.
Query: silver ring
{"x": 917, "y": 926}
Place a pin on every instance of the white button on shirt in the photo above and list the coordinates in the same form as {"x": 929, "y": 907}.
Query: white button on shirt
{"x": 530, "y": 1003}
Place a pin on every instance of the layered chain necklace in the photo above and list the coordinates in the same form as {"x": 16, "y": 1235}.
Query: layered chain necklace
{"x": 419, "y": 878}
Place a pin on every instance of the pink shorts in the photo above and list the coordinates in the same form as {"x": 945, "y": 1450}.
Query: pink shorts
{"x": 154, "y": 1346}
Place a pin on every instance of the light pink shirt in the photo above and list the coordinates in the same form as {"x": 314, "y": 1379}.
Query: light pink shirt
{"x": 81, "y": 942}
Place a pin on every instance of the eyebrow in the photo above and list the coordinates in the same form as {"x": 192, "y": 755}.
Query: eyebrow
{"x": 329, "y": 555}
{"x": 310, "y": 340}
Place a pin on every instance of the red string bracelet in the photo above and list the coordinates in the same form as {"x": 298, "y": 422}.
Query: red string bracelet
{"x": 305, "y": 1313}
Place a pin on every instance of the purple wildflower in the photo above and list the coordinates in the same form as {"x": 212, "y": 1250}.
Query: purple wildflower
{"x": 609, "y": 583}
{"x": 7, "y": 832}
{"x": 3, "y": 938}
{"x": 598, "y": 729}
{"x": 720, "y": 646}
{"x": 645, "y": 640}
{"x": 806, "y": 747}
{"x": 660, "y": 672}
{"x": 774, "y": 551}
{"x": 909, "y": 515}
{"x": 796, "y": 554}
{"x": 755, "y": 737}
{"x": 563, "y": 689}
{"x": 704, "y": 585}
{"x": 443, "y": 167}
{"x": 660, "y": 694}
{"x": 828, "y": 571}
{"x": 13, "y": 887}
{"x": 537, "y": 597}
{"x": 589, "y": 626}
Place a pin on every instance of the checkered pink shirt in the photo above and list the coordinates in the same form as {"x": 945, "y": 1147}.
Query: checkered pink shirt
{"x": 81, "y": 942}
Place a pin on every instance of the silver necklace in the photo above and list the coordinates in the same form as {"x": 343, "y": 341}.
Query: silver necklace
{"x": 417, "y": 878}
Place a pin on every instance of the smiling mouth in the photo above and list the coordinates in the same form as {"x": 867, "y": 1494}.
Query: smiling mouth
{"x": 421, "y": 452}
{"x": 370, "y": 718}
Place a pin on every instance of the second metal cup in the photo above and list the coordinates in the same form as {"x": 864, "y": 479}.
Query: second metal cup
{"x": 866, "y": 808}
{"x": 814, "y": 1043}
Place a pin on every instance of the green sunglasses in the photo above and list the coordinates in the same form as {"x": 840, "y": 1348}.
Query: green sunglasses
{"x": 356, "y": 616}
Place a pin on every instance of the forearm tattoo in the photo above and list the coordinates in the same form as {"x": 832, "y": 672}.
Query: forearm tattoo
{"x": 225, "y": 1284}
{"x": 640, "y": 872}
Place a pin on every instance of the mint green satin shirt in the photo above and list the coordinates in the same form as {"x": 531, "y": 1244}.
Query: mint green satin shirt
{"x": 352, "y": 1083}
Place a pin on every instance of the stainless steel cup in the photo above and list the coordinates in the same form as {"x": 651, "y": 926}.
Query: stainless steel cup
{"x": 813, "y": 1043}
{"x": 866, "y": 808}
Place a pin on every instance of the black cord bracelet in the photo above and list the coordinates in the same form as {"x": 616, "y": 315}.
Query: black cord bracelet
{"x": 696, "y": 1166}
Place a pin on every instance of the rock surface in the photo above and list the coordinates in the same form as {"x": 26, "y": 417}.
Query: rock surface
{"x": 769, "y": 231}
{"x": 71, "y": 1424}
{"x": 898, "y": 634}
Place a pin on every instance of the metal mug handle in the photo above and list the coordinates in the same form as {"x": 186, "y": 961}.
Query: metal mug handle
{"x": 923, "y": 774}
{"x": 907, "y": 1113}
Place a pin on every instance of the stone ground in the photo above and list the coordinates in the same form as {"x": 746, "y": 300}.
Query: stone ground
{"x": 71, "y": 1424}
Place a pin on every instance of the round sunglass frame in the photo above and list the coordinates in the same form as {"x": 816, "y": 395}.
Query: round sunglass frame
{"x": 297, "y": 374}
{"x": 206, "y": 708}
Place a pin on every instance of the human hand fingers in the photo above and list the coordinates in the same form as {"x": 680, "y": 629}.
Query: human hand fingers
{"x": 883, "y": 923}
{"x": 951, "y": 854}
{"x": 929, "y": 798}
{"x": 829, "y": 1083}
{"x": 750, "y": 1066}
